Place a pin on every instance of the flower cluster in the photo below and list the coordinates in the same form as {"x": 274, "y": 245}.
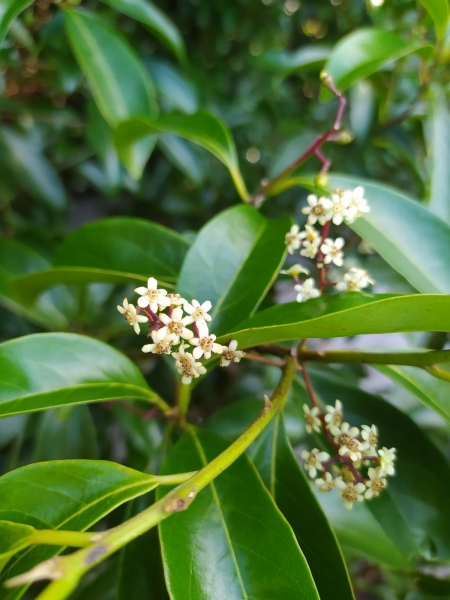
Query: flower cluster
{"x": 358, "y": 469}
{"x": 176, "y": 325}
{"x": 344, "y": 206}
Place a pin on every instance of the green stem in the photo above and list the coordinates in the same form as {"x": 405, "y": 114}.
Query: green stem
{"x": 414, "y": 359}
{"x": 439, "y": 373}
{"x": 56, "y": 537}
{"x": 173, "y": 479}
{"x": 184, "y": 398}
{"x": 240, "y": 185}
{"x": 71, "y": 568}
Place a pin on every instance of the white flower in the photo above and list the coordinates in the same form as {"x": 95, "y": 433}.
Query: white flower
{"x": 187, "y": 366}
{"x": 152, "y": 297}
{"x": 334, "y": 414}
{"x": 311, "y": 420}
{"x": 230, "y": 354}
{"x": 175, "y": 326}
{"x": 345, "y": 437}
{"x": 295, "y": 271}
{"x": 310, "y": 234}
{"x": 306, "y": 290}
{"x": 293, "y": 239}
{"x": 333, "y": 251}
{"x": 310, "y": 249}
{"x": 325, "y": 485}
{"x": 197, "y": 312}
{"x": 205, "y": 344}
{"x": 376, "y": 483}
{"x": 175, "y": 299}
{"x": 313, "y": 460}
{"x": 354, "y": 280}
{"x": 339, "y": 207}
{"x": 350, "y": 492}
{"x": 131, "y": 316}
{"x": 158, "y": 346}
{"x": 357, "y": 204}
{"x": 319, "y": 209}
{"x": 370, "y": 437}
{"x": 387, "y": 458}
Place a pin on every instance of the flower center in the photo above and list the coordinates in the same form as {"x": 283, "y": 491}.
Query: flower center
{"x": 327, "y": 486}
{"x": 378, "y": 485}
{"x": 206, "y": 344}
{"x": 152, "y": 295}
{"x": 336, "y": 418}
{"x": 317, "y": 210}
{"x": 228, "y": 354}
{"x": 350, "y": 494}
{"x": 373, "y": 439}
{"x": 185, "y": 365}
{"x": 174, "y": 298}
{"x": 352, "y": 286}
{"x": 163, "y": 347}
{"x": 175, "y": 327}
{"x": 198, "y": 313}
{"x": 129, "y": 316}
{"x": 290, "y": 237}
{"x": 311, "y": 461}
{"x": 310, "y": 420}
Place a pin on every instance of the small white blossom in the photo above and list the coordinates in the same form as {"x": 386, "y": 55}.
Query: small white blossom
{"x": 306, "y": 290}
{"x": 310, "y": 249}
{"x": 230, "y": 354}
{"x": 375, "y": 484}
{"x": 325, "y": 485}
{"x": 205, "y": 345}
{"x": 370, "y": 437}
{"x": 319, "y": 209}
{"x": 313, "y": 460}
{"x": 295, "y": 271}
{"x": 175, "y": 326}
{"x": 387, "y": 458}
{"x": 197, "y": 312}
{"x": 339, "y": 207}
{"x": 332, "y": 250}
{"x": 187, "y": 366}
{"x": 131, "y": 316}
{"x": 354, "y": 280}
{"x": 350, "y": 492}
{"x": 151, "y": 296}
{"x": 334, "y": 414}
{"x": 175, "y": 299}
{"x": 310, "y": 234}
{"x": 345, "y": 437}
{"x": 311, "y": 419}
{"x": 357, "y": 204}
{"x": 158, "y": 346}
{"x": 293, "y": 239}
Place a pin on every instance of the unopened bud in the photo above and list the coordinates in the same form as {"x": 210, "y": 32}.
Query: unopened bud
{"x": 321, "y": 180}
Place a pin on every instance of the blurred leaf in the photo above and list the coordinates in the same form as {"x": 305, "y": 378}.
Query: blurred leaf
{"x": 418, "y": 255}
{"x": 364, "y": 52}
{"x": 350, "y": 313}
{"x": 282, "y": 476}
{"x": 439, "y": 12}
{"x": 224, "y": 546}
{"x": 289, "y": 63}
{"x": 439, "y": 155}
{"x": 176, "y": 92}
{"x": 433, "y": 393}
{"x": 232, "y": 420}
{"x": 201, "y": 128}
{"x": 10, "y": 428}
{"x": 32, "y": 170}
{"x": 115, "y": 250}
{"x": 362, "y": 110}
{"x": 55, "y": 369}
{"x": 13, "y": 537}
{"x": 149, "y": 14}
{"x": 66, "y": 432}
{"x": 182, "y": 156}
{"x": 226, "y": 256}
{"x": 9, "y": 10}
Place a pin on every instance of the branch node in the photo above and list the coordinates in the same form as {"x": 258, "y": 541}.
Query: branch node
{"x": 49, "y": 569}
{"x": 267, "y": 403}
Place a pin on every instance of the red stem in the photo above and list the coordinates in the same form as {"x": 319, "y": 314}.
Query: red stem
{"x": 312, "y": 395}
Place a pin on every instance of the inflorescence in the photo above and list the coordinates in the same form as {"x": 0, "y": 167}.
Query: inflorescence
{"x": 358, "y": 468}
{"x": 343, "y": 206}
{"x": 174, "y": 324}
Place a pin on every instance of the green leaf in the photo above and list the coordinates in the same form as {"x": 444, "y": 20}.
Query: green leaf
{"x": 116, "y": 250}
{"x": 56, "y": 369}
{"x": 393, "y": 212}
{"x": 182, "y": 156}
{"x": 176, "y": 92}
{"x": 32, "y": 170}
{"x": 290, "y": 63}
{"x": 413, "y": 510}
{"x": 149, "y": 14}
{"x": 9, "y": 10}
{"x": 349, "y": 313}
{"x": 71, "y": 495}
{"x": 432, "y": 392}
{"x": 13, "y": 537}
{"x": 202, "y": 128}
{"x": 439, "y": 155}
{"x": 439, "y": 12}
{"x": 224, "y": 264}
{"x": 232, "y": 542}
{"x": 364, "y": 52}
{"x": 282, "y": 476}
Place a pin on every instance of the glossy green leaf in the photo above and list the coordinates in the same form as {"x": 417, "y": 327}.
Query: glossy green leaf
{"x": 413, "y": 510}
{"x": 365, "y": 51}
{"x": 175, "y": 91}
{"x": 182, "y": 156}
{"x": 432, "y": 392}
{"x": 439, "y": 12}
{"x": 289, "y": 63}
{"x": 13, "y": 537}
{"x": 150, "y": 15}
{"x": 202, "y": 128}
{"x": 232, "y": 542}
{"x": 117, "y": 250}
{"x": 439, "y": 155}
{"x": 393, "y": 212}
{"x": 224, "y": 264}
{"x": 71, "y": 495}
{"x": 32, "y": 170}
{"x": 288, "y": 486}
{"x": 55, "y": 369}
{"x": 349, "y": 313}
{"x": 9, "y": 10}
